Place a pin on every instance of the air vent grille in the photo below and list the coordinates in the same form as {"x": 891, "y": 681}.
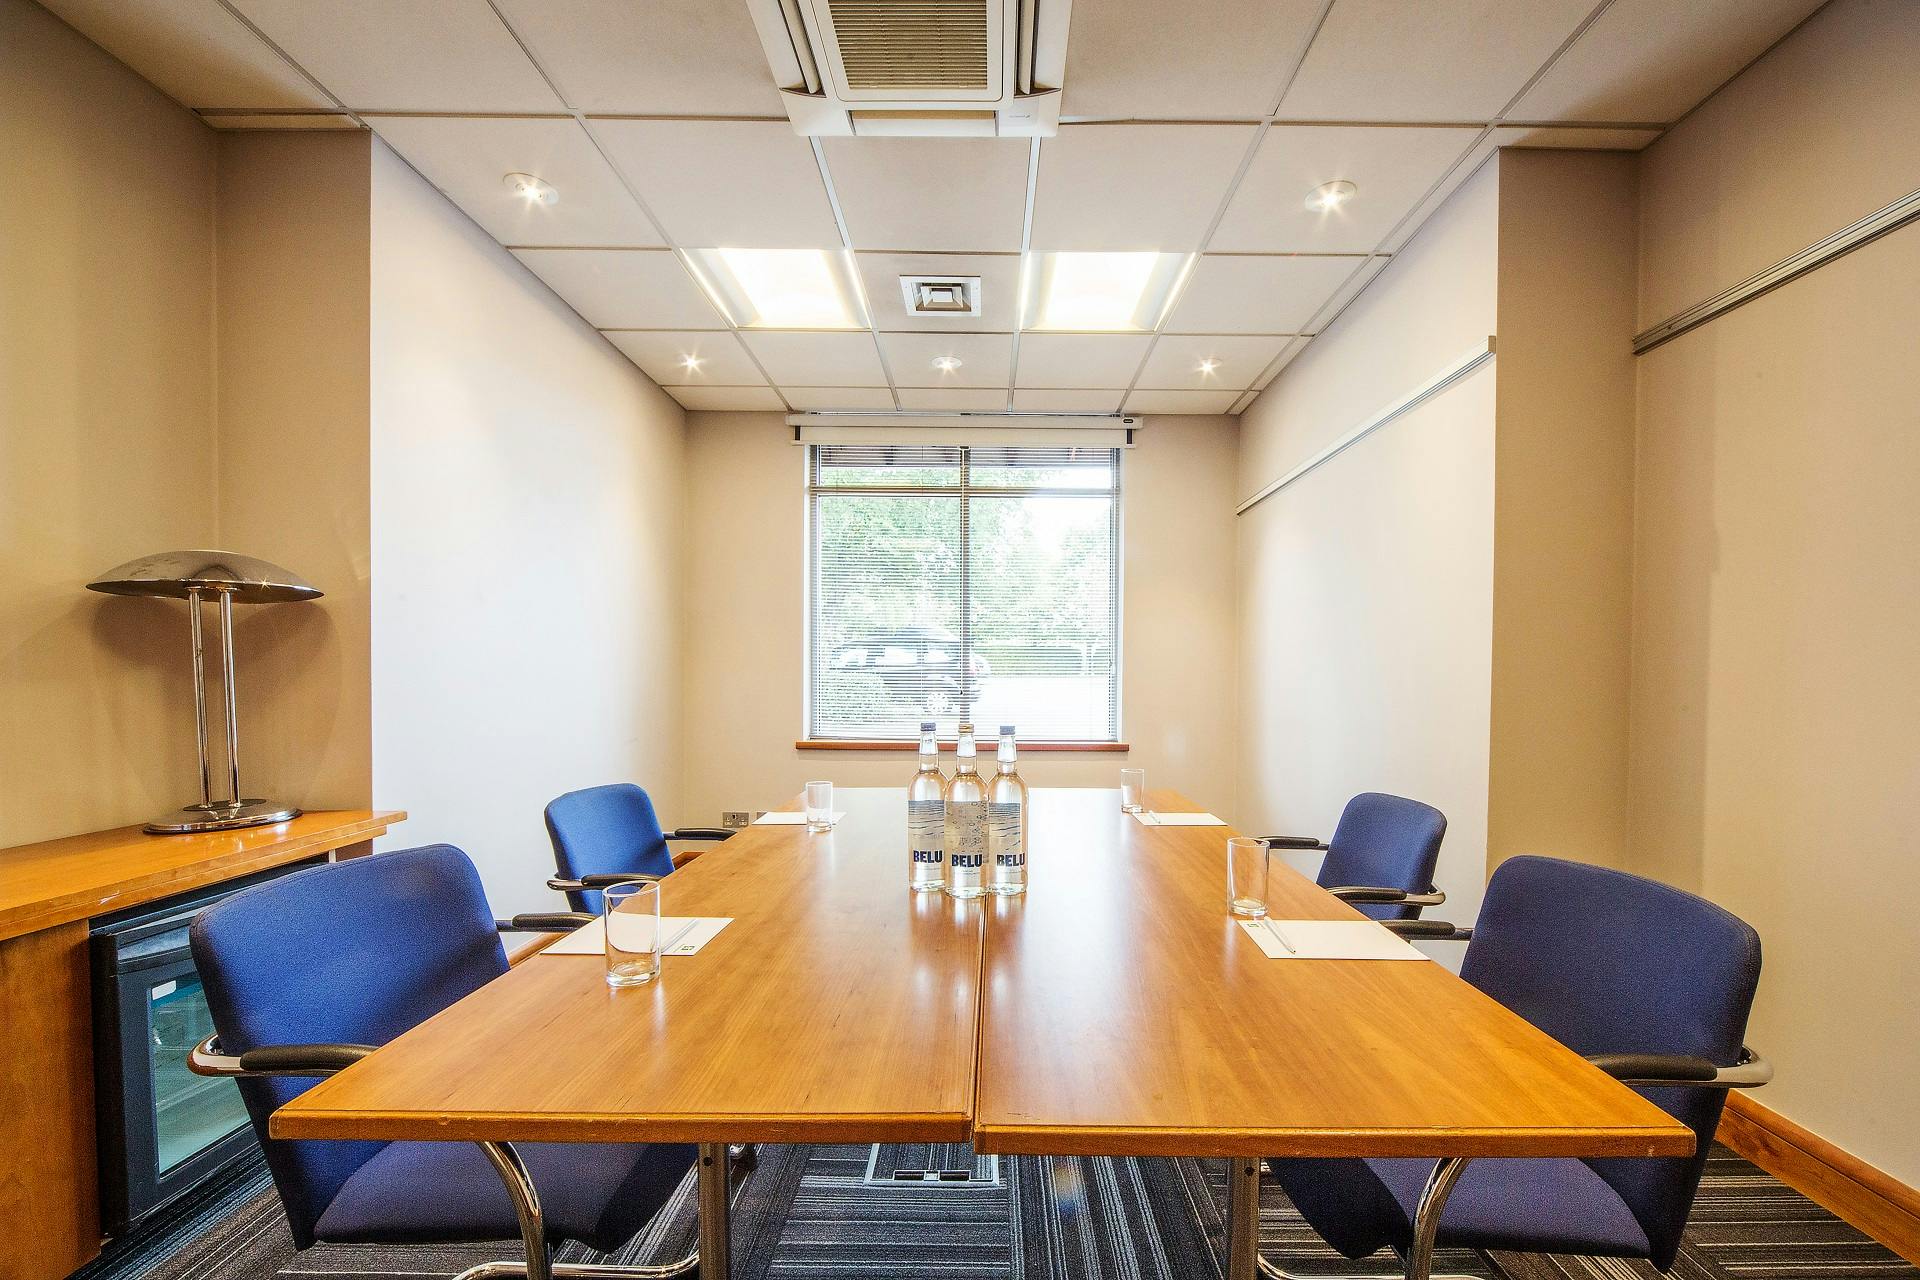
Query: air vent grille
{"x": 912, "y": 44}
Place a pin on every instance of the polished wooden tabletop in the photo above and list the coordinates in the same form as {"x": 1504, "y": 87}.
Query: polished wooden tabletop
{"x": 837, "y": 1006}
{"x": 1124, "y": 1012}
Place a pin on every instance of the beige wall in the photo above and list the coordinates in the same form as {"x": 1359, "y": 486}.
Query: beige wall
{"x": 746, "y": 622}
{"x": 1776, "y": 699}
{"x": 106, "y": 428}
{"x": 527, "y": 500}
{"x": 292, "y": 453}
{"x": 1563, "y": 507}
{"x": 1365, "y": 596}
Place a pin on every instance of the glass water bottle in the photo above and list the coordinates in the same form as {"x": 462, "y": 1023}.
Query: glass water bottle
{"x": 966, "y": 823}
{"x": 1007, "y": 823}
{"x": 927, "y": 817}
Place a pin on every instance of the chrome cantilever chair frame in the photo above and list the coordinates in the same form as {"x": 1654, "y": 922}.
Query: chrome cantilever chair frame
{"x": 715, "y": 1201}
{"x": 1243, "y": 1187}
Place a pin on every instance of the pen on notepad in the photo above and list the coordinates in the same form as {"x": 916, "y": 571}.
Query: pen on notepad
{"x": 1278, "y": 936}
{"x": 685, "y": 929}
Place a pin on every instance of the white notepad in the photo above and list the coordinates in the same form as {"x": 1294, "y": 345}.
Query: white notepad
{"x": 1151, "y": 818}
{"x": 782, "y": 818}
{"x": 591, "y": 939}
{"x": 1329, "y": 940}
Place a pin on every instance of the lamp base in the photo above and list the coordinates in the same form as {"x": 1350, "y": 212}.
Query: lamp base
{"x": 221, "y": 815}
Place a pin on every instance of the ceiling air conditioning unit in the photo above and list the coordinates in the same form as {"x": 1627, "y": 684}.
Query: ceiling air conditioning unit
{"x": 917, "y": 68}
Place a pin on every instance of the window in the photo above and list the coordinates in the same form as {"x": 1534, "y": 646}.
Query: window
{"x": 951, "y": 583}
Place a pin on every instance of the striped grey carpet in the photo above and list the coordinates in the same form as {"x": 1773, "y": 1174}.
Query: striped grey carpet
{"x": 833, "y": 1213}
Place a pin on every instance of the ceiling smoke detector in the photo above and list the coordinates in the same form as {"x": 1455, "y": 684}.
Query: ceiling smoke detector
{"x": 917, "y": 68}
{"x": 941, "y": 297}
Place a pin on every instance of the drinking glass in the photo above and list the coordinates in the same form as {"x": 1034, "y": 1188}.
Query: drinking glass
{"x": 1133, "y": 790}
{"x": 1247, "y": 876}
{"x": 819, "y": 806}
{"x": 631, "y": 910}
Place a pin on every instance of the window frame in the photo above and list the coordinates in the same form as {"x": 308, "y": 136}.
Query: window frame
{"x": 965, "y": 491}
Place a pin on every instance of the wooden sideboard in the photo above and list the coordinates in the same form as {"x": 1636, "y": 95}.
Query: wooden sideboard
{"x": 49, "y": 892}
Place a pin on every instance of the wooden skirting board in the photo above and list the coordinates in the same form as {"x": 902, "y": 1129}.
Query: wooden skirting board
{"x": 1877, "y": 1203}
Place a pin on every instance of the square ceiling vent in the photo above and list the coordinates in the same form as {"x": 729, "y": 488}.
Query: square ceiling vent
{"x": 941, "y": 297}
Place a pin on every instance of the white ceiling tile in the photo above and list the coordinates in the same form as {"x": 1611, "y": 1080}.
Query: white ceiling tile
{"x": 1653, "y": 60}
{"x": 1463, "y": 169}
{"x": 953, "y": 399}
{"x": 661, "y": 58}
{"x": 1074, "y": 359}
{"x": 1536, "y": 135}
{"x": 1141, "y": 59}
{"x": 999, "y": 289}
{"x": 984, "y": 358}
{"x": 1256, "y": 294}
{"x": 1348, "y": 291}
{"x": 1393, "y": 168}
{"x": 818, "y": 359}
{"x": 1175, "y": 362}
{"x": 1108, "y": 187}
{"x": 1066, "y": 400}
{"x": 1458, "y": 60}
{"x": 1181, "y": 401}
{"x": 194, "y": 51}
{"x": 723, "y": 399}
{"x": 469, "y": 160}
{"x": 827, "y": 399}
{"x": 952, "y": 195}
{"x": 1291, "y": 353}
{"x": 737, "y": 184}
{"x": 663, "y": 357}
{"x": 407, "y": 55}
{"x": 624, "y": 288}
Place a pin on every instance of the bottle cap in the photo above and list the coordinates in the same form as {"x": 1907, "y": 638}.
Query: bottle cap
{"x": 926, "y": 726}
{"x": 1006, "y": 728}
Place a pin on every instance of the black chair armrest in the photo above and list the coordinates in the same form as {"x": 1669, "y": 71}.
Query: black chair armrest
{"x": 544, "y": 922}
{"x": 1684, "y": 1070}
{"x": 599, "y": 880}
{"x": 1427, "y": 930}
{"x": 1391, "y": 897}
{"x": 1293, "y": 842}
{"x": 206, "y": 1059}
{"x": 702, "y": 833}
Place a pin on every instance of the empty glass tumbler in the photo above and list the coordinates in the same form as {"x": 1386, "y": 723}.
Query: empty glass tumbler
{"x": 1247, "y": 876}
{"x": 1133, "y": 790}
{"x": 819, "y": 806}
{"x": 631, "y": 911}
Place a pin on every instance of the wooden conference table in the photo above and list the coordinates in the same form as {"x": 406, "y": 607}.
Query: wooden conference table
{"x": 1114, "y": 1009}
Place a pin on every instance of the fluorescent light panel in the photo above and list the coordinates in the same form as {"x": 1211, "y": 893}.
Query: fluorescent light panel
{"x": 782, "y": 288}
{"x": 1100, "y": 292}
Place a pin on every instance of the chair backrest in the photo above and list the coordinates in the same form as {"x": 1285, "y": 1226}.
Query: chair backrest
{"x": 1386, "y": 842}
{"x": 1607, "y": 962}
{"x": 608, "y": 830}
{"x": 348, "y": 953}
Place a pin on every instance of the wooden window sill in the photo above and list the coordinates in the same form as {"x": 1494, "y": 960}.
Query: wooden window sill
{"x": 986, "y": 745}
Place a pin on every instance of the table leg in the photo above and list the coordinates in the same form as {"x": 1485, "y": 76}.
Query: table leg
{"x": 1243, "y": 1217}
{"x": 716, "y": 1259}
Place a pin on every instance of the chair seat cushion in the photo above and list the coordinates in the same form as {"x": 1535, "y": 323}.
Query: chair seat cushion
{"x": 597, "y": 1193}
{"x": 1529, "y": 1206}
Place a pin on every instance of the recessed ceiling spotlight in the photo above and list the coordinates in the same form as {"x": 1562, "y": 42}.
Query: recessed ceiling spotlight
{"x": 531, "y": 189}
{"x": 1329, "y": 196}
{"x": 946, "y": 364}
{"x": 691, "y": 363}
{"x": 1206, "y": 367}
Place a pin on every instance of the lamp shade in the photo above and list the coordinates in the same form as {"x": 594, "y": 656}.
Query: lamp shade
{"x": 175, "y": 573}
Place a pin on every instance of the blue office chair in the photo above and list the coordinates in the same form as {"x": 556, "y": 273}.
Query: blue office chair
{"x": 305, "y": 975}
{"x": 604, "y": 835}
{"x": 1654, "y": 985}
{"x": 1381, "y": 857}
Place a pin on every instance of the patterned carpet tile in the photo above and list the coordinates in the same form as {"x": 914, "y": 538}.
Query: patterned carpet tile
{"x": 811, "y": 1213}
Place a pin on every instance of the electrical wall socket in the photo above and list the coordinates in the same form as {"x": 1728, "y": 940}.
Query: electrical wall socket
{"x": 734, "y": 819}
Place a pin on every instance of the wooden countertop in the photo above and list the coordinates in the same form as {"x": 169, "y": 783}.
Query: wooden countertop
{"x": 78, "y": 877}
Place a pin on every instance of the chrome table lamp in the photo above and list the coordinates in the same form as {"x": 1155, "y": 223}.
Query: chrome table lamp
{"x": 228, "y": 579}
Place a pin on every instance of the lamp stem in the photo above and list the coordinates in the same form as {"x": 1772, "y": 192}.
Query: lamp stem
{"x": 200, "y": 697}
{"x": 233, "y": 709}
